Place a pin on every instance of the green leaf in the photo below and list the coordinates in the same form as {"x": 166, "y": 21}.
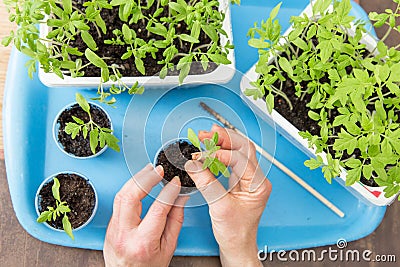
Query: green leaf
{"x": 82, "y": 102}
{"x": 67, "y": 5}
{"x": 93, "y": 139}
{"x": 158, "y": 29}
{"x": 126, "y": 31}
{"x": 301, "y": 44}
{"x": 89, "y": 41}
{"x": 285, "y": 65}
{"x": 211, "y": 32}
{"x": 77, "y": 120}
{"x": 215, "y": 138}
{"x": 72, "y": 129}
{"x": 353, "y": 163}
{"x": 95, "y": 59}
{"x": 188, "y": 38}
{"x": 44, "y": 216}
{"x": 112, "y": 141}
{"x": 367, "y": 171}
{"x": 345, "y": 142}
{"x": 314, "y": 163}
{"x": 274, "y": 12}
{"x": 313, "y": 115}
{"x": 258, "y": 43}
{"x": 221, "y": 168}
{"x": 353, "y": 176}
{"x": 193, "y": 138}
{"x": 219, "y": 59}
{"x": 140, "y": 65}
{"x": 177, "y": 7}
{"x": 85, "y": 131}
{"x": 269, "y": 100}
{"x": 67, "y": 227}
{"x": 56, "y": 189}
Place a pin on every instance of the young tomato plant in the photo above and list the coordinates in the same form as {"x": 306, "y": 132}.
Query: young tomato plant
{"x": 61, "y": 209}
{"x": 210, "y": 161}
{"x": 98, "y": 136}
{"x": 171, "y": 34}
{"x": 351, "y": 93}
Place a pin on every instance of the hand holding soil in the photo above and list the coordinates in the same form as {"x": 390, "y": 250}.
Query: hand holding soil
{"x": 151, "y": 241}
{"x": 235, "y": 214}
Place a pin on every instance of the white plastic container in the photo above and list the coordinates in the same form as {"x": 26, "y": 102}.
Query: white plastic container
{"x": 56, "y": 127}
{"x": 222, "y": 74}
{"x": 373, "y": 195}
{"x": 47, "y": 180}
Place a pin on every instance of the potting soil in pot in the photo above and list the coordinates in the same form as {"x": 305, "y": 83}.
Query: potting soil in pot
{"x": 80, "y": 146}
{"x": 173, "y": 159}
{"x": 78, "y": 194}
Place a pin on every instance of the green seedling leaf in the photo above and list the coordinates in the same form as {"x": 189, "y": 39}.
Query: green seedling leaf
{"x": 56, "y": 189}
{"x": 95, "y": 59}
{"x": 67, "y": 227}
{"x": 210, "y": 31}
{"x": 219, "y": 59}
{"x": 88, "y": 39}
{"x": 94, "y": 140}
{"x": 193, "y": 138}
{"x": 77, "y": 120}
{"x": 43, "y": 217}
{"x": 274, "y": 12}
{"x": 188, "y": 38}
{"x": 82, "y": 102}
{"x": 285, "y": 65}
{"x": 67, "y": 5}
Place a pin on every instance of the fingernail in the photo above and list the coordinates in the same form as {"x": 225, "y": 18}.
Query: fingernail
{"x": 191, "y": 166}
{"x": 176, "y": 180}
{"x": 159, "y": 168}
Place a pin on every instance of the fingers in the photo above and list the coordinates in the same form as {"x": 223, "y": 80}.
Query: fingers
{"x": 127, "y": 206}
{"x": 250, "y": 176}
{"x": 145, "y": 180}
{"x": 205, "y": 181}
{"x": 174, "y": 221}
{"x": 231, "y": 140}
{"x": 153, "y": 224}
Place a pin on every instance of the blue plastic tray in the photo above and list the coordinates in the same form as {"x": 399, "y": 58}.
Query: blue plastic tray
{"x": 293, "y": 218}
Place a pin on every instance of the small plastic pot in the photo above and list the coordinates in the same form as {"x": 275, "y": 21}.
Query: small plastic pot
{"x": 56, "y": 130}
{"x": 184, "y": 190}
{"x": 48, "y": 180}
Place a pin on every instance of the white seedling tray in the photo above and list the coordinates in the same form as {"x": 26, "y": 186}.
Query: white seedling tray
{"x": 222, "y": 74}
{"x": 374, "y": 195}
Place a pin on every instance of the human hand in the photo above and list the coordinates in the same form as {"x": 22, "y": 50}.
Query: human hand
{"x": 235, "y": 214}
{"x": 131, "y": 241}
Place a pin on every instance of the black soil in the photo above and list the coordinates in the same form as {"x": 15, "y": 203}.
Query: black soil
{"x": 173, "y": 159}
{"x": 78, "y": 194}
{"x": 298, "y": 116}
{"x": 80, "y": 146}
{"x": 113, "y": 53}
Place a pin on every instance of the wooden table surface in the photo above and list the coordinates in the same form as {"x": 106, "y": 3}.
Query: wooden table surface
{"x": 17, "y": 248}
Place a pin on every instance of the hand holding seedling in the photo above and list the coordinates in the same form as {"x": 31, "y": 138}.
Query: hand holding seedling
{"x": 210, "y": 161}
{"x": 151, "y": 241}
{"x": 247, "y": 196}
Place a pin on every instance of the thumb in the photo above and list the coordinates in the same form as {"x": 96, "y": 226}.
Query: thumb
{"x": 205, "y": 181}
